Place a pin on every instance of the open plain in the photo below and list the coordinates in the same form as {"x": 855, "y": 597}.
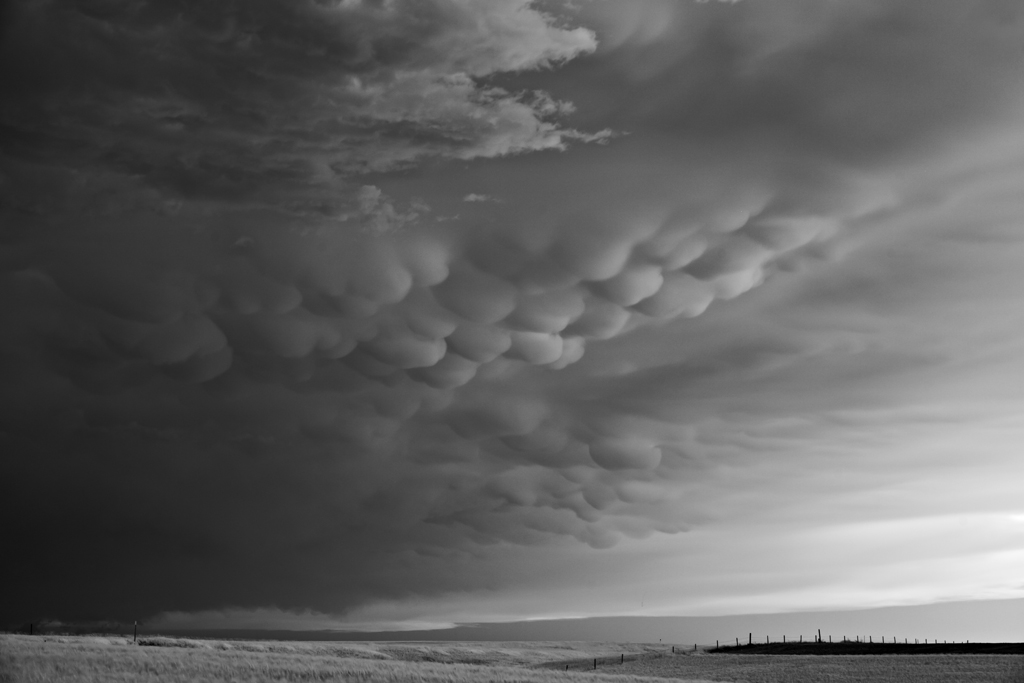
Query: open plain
{"x": 93, "y": 659}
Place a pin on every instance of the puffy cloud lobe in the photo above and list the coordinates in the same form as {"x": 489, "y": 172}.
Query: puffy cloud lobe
{"x": 478, "y": 297}
{"x": 549, "y": 311}
{"x": 680, "y": 294}
{"x": 481, "y": 343}
{"x": 538, "y": 348}
{"x": 615, "y": 454}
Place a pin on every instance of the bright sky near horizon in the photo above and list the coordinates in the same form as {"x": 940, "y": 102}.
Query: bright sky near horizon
{"x": 397, "y": 314}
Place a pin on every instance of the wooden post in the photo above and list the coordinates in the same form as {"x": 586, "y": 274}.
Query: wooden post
{"x": 695, "y": 647}
{"x": 830, "y": 639}
{"x": 595, "y": 662}
{"x": 673, "y": 649}
{"x": 819, "y": 635}
{"x": 716, "y": 644}
{"x": 783, "y": 639}
{"x": 135, "y": 632}
{"x": 30, "y": 628}
{"x": 766, "y": 642}
{"x": 622, "y": 657}
{"x": 750, "y": 639}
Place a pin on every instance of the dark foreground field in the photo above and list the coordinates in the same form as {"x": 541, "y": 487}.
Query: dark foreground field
{"x": 63, "y": 659}
{"x": 855, "y": 648}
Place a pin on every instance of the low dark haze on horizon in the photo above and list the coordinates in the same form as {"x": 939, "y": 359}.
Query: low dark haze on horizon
{"x": 399, "y": 314}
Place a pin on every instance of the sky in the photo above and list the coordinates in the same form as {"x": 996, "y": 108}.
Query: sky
{"x": 379, "y": 315}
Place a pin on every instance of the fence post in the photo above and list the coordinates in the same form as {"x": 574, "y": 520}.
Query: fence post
{"x": 135, "y": 632}
{"x": 750, "y": 639}
{"x": 819, "y": 635}
{"x": 716, "y": 644}
{"x": 595, "y": 662}
{"x": 622, "y": 657}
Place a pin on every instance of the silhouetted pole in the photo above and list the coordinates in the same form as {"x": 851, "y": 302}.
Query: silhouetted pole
{"x": 135, "y": 632}
{"x": 783, "y": 639}
{"x": 830, "y": 639}
{"x": 819, "y": 635}
{"x": 716, "y": 644}
{"x": 595, "y": 662}
{"x": 750, "y": 639}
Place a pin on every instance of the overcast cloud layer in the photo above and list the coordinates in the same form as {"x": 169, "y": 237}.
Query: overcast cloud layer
{"x": 364, "y": 314}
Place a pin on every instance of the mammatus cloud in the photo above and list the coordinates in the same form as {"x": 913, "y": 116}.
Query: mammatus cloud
{"x": 265, "y": 342}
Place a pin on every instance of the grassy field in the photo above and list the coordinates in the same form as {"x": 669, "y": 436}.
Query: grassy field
{"x": 60, "y": 659}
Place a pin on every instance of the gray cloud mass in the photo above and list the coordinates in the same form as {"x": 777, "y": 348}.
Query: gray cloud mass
{"x": 313, "y": 305}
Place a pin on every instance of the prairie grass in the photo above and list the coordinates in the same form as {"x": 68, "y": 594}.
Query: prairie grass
{"x": 52, "y": 659}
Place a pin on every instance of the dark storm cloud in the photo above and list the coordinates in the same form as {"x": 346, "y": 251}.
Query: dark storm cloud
{"x": 269, "y": 343}
{"x": 271, "y": 98}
